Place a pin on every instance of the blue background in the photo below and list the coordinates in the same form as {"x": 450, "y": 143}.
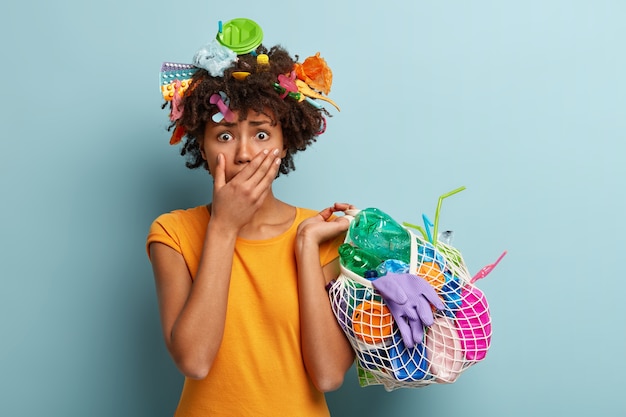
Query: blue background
{"x": 522, "y": 102}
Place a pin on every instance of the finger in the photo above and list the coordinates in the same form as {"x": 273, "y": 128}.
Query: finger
{"x": 405, "y": 332}
{"x": 411, "y": 314}
{"x": 431, "y": 295}
{"x": 424, "y": 312}
{"x": 264, "y": 167}
{"x": 343, "y": 223}
{"x": 343, "y": 207}
{"x": 417, "y": 332}
{"x": 326, "y": 213}
{"x": 269, "y": 169}
{"x": 252, "y": 166}
{"x": 262, "y": 185}
{"x": 219, "y": 176}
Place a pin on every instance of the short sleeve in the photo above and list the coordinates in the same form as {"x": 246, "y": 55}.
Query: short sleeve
{"x": 161, "y": 231}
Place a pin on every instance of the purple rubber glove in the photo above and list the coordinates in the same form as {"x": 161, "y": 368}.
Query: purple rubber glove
{"x": 409, "y": 300}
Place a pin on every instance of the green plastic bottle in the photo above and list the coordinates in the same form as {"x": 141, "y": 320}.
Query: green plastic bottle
{"x": 358, "y": 261}
{"x": 376, "y": 232}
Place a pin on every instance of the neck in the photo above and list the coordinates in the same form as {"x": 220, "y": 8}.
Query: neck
{"x": 273, "y": 218}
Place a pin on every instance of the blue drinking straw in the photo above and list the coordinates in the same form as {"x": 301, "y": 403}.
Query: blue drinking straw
{"x": 427, "y": 225}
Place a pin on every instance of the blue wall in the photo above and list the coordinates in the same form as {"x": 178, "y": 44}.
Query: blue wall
{"x": 521, "y": 102}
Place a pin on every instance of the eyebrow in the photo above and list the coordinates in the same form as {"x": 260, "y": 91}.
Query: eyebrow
{"x": 261, "y": 122}
{"x": 252, "y": 122}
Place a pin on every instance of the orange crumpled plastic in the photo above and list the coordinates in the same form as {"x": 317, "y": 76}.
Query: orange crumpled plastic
{"x": 178, "y": 134}
{"x": 315, "y": 72}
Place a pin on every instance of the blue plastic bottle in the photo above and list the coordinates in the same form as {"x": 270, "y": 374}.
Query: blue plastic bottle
{"x": 392, "y": 265}
{"x": 377, "y": 233}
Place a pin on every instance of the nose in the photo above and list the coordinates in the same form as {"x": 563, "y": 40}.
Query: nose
{"x": 244, "y": 151}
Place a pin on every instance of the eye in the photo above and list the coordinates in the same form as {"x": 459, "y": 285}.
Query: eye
{"x": 224, "y": 137}
{"x": 262, "y": 136}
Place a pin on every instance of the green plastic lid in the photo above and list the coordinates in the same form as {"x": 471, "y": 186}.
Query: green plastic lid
{"x": 240, "y": 35}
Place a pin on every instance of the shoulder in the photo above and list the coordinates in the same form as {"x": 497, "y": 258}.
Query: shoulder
{"x": 303, "y": 213}
{"x": 178, "y": 226}
{"x": 183, "y": 216}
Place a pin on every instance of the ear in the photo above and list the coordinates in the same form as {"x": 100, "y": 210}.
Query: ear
{"x": 201, "y": 146}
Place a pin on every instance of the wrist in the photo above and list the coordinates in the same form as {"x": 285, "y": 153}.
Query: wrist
{"x": 306, "y": 246}
{"x": 221, "y": 231}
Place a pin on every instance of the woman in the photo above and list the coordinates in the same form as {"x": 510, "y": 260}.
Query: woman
{"x": 241, "y": 282}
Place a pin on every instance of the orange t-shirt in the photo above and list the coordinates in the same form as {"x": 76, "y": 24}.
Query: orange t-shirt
{"x": 258, "y": 370}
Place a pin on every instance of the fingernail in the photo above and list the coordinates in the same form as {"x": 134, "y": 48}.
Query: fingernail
{"x": 265, "y": 151}
{"x": 276, "y": 152}
{"x": 277, "y": 161}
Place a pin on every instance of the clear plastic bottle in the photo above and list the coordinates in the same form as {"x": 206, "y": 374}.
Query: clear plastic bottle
{"x": 445, "y": 237}
{"x": 377, "y": 233}
{"x": 358, "y": 260}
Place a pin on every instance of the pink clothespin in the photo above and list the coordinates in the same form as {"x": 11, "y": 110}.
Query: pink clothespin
{"x": 220, "y": 100}
{"x": 288, "y": 83}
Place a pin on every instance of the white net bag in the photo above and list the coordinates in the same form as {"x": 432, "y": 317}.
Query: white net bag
{"x": 457, "y": 337}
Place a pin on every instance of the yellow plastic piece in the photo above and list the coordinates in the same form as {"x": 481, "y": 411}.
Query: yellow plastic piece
{"x": 309, "y": 92}
{"x": 263, "y": 59}
{"x": 168, "y": 89}
{"x": 240, "y": 75}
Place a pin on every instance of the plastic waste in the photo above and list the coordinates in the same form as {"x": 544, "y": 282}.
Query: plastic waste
{"x": 409, "y": 299}
{"x": 372, "y": 322}
{"x": 474, "y": 324}
{"x": 377, "y": 233}
{"x": 408, "y": 364}
{"x": 446, "y": 237}
{"x": 358, "y": 260}
{"x": 240, "y": 35}
{"x": 392, "y": 266}
{"x": 371, "y": 275}
{"x": 444, "y": 352}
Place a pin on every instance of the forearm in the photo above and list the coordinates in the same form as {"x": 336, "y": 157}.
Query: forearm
{"x": 197, "y": 333}
{"x": 326, "y": 352}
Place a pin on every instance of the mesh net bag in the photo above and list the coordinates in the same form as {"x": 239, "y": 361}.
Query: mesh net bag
{"x": 458, "y": 338}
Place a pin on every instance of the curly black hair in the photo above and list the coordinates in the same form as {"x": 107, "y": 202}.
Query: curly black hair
{"x": 301, "y": 121}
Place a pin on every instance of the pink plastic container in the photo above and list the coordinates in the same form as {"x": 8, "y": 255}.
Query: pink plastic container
{"x": 474, "y": 324}
{"x": 444, "y": 351}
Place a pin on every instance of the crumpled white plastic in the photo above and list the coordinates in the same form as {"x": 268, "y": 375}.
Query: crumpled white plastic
{"x": 215, "y": 58}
